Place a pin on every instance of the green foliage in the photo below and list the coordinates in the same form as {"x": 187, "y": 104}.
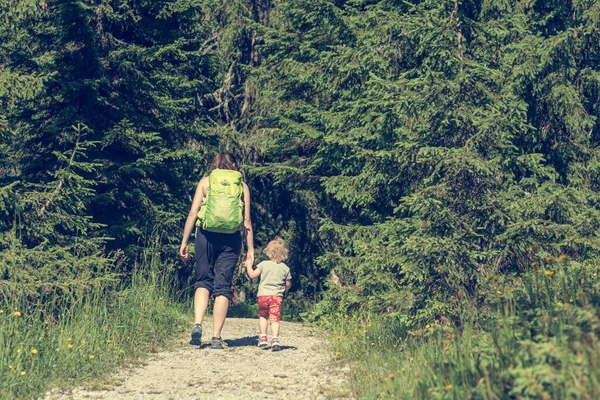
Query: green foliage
{"x": 81, "y": 326}
{"x": 438, "y": 140}
{"x": 540, "y": 341}
{"x": 412, "y": 154}
{"x": 128, "y": 76}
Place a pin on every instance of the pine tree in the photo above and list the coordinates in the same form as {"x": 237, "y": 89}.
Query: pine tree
{"x": 443, "y": 141}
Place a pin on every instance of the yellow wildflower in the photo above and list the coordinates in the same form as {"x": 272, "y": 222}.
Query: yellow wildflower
{"x": 10, "y": 367}
{"x": 390, "y": 376}
{"x": 549, "y": 258}
{"x": 17, "y": 313}
{"x": 69, "y": 339}
{"x": 108, "y": 341}
{"x": 449, "y": 387}
{"x": 1, "y": 311}
{"x": 563, "y": 258}
{"x": 555, "y": 318}
{"x": 571, "y": 300}
{"x": 410, "y": 359}
{"x": 499, "y": 292}
{"x": 92, "y": 356}
{"x": 595, "y": 275}
{"x": 337, "y": 353}
{"x": 34, "y": 351}
{"x": 70, "y": 345}
{"x": 427, "y": 326}
{"x": 549, "y": 273}
{"x": 446, "y": 348}
{"x": 18, "y": 350}
{"x": 23, "y": 372}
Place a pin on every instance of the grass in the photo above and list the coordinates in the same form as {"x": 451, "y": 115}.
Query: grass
{"x": 540, "y": 341}
{"x": 107, "y": 326}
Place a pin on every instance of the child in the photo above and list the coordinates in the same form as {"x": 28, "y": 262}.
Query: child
{"x": 275, "y": 280}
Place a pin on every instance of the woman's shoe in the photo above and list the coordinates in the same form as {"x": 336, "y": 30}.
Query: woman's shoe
{"x": 196, "y": 335}
{"x": 216, "y": 343}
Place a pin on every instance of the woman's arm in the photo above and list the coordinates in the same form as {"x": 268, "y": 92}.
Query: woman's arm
{"x": 249, "y": 260}
{"x": 191, "y": 218}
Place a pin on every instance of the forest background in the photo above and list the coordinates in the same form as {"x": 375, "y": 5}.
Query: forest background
{"x": 433, "y": 166}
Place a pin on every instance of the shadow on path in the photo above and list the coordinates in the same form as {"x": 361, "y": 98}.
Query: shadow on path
{"x": 248, "y": 341}
{"x": 242, "y": 342}
{"x": 282, "y": 348}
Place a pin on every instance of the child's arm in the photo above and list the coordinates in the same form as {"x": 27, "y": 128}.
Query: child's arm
{"x": 288, "y": 284}
{"x": 252, "y": 273}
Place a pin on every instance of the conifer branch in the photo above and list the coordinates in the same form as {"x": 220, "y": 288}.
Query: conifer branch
{"x": 455, "y": 16}
{"x": 209, "y": 44}
{"x": 61, "y": 182}
{"x": 248, "y": 85}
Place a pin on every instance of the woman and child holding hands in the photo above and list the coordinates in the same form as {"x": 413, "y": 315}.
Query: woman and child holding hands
{"x": 221, "y": 213}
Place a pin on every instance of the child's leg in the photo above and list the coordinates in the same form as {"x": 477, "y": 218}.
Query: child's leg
{"x": 262, "y": 326}
{"x": 275, "y": 314}
{"x": 263, "y": 314}
{"x": 275, "y": 329}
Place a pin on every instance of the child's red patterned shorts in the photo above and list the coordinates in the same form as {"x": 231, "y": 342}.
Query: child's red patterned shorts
{"x": 269, "y": 307}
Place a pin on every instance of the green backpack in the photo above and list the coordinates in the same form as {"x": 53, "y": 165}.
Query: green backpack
{"x": 222, "y": 211}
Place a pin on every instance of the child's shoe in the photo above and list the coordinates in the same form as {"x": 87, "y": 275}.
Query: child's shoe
{"x": 275, "y": 345}
{"x": 262, "y": 342}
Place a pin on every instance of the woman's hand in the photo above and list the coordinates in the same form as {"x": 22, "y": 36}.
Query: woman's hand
{"x": 249, "y": 260}
{"x": 183, "y": 251}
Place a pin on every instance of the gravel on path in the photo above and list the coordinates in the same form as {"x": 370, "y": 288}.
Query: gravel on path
{"x": 303, "y": 369}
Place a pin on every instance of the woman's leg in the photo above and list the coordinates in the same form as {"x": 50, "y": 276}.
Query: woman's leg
{"x": 203, "y": 285}
{"x": 230, "y": 246}
{"x": 200, "y": 304}
{"x": 219, "y": 313}
{"x": 204, "y": 275}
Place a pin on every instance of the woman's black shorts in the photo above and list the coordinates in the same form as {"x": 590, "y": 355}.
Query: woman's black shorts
{"x": 216, "y": 257}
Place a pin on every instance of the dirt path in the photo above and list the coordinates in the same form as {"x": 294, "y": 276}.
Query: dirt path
{"x": 304, "y": 369}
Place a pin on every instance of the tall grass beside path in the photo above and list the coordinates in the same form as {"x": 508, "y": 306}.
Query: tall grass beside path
{"x": 539, "y": 341}
{"x": 104, "y": 323}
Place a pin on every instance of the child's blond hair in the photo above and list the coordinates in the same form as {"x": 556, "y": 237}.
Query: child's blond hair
{"x": 276, "y": 250}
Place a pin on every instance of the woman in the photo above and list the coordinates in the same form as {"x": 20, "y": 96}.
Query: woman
{"x": 217, "y": 253}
